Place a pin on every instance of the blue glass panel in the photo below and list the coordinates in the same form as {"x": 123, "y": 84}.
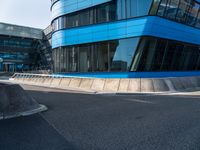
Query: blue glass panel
{"x": 144, "y": 26}
{"x": 68, "y": 6}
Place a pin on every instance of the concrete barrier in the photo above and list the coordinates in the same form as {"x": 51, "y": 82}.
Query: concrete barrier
{"x": 64, "y": 83}
{"x": 98, "y": 84}
{"x": 198, "y": 81}
{"x": 134, "y": 85}
{"x": 37, "y": 79}
{"x": 33, "y": 80}
{"x": 186, "y": 82}
{"x": 75, "y": 82}
{"x": 160, "y": 85}
{"x": 123, "y": 85}
{"x": 30, "y": 79}
{"x": 21, "y": 78}
{"x": 47, "y": 81}
{"x": 147, "y": 85}
{"x": 55, "y": 82}
{"x": 112, "y": 85}
{"x": 40, "y": 81}
{"x": 194, "y": 82}
{"x": 26, "y": 78}
{"x": 170, "y": 85}
{"x": 86, "y": 83}
{"x": 177, "y": 83}
{"x": 16, "y": 102}
{"x": 15, "y": 77}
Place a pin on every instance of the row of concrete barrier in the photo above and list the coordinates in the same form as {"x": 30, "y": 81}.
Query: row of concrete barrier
{"x": 131, "y": 85}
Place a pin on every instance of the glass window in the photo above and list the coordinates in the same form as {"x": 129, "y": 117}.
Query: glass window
{"x": 152, "y": 54}
{"x": 64, "y": 22}
{"x": 197, "y": 67}
{"x": 121, "y": 53}
{"x": 195, "y": 56}
{"x": 56, "y": 24}
{"x": 113, "y": 11}
{"x": 144, "y": 55}
{"x": 84, "y": 18}
{"x": 101, "y": 56}
{"x": 61, "y": 61}
{"x": 171, "y": 9}
{"x": 162, "y": 7}
{"x": 102, "y": 13}
{"x": 198, "y": 21}
{"x": 154, "y": 7}
{"x": 191, "y": 18}
{"x": 187, "y": 57}
{"x": 182, "y": 11}
{"x": 165, "y": 55}
{"x": 85, "y": 58}
{"x": 66, "y": 59}
{"x": 56, "y": 60}
{"x": 73, "y": 59}
{"x": 172, "y": 57}
{"x": 168, "y": 55}
{"x": 72, "y": 20}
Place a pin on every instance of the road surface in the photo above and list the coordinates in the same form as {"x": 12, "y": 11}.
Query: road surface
{"x": 80, "y": 121}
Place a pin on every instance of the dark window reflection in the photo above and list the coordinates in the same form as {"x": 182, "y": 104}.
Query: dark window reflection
{"x": 164, "y": 55}
{"x": 121, "y": 54}
{"x": 183, "y": 11}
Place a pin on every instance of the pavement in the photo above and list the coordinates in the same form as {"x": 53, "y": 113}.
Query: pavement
{"x": 83, "y": 121}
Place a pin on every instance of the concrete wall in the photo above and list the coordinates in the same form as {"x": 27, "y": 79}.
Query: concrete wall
{"x": 115, "y": 85}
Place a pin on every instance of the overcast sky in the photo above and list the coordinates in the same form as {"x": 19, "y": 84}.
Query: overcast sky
{"x": 32, "y": 13}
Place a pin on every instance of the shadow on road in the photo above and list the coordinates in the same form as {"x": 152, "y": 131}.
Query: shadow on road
{"x": 30, "y": 133}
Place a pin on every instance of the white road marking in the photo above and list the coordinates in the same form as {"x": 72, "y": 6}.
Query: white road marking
{"x": 139, "y": 101}
{"x": 188, "y": 96}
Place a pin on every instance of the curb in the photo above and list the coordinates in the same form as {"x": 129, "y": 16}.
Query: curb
{"x": 114, "y": 86}
{"x": 79, "y": 90}
{"x": 26, "y": 113}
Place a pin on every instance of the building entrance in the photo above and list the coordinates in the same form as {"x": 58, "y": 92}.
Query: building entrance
{"x": 8, "y": 67}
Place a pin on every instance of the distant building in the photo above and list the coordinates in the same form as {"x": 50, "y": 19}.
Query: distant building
{"x": 22, "y": 48}
{"x": 132, "y": 35}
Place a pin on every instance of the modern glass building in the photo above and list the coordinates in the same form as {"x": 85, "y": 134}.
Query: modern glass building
{"x": 23, "y": 48}
{"x": 126, "y": 35}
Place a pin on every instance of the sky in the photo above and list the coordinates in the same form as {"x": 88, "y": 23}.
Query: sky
{"x": 31, "y": 13}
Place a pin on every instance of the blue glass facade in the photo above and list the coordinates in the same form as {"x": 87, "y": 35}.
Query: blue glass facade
{"x": 126, "y": 35}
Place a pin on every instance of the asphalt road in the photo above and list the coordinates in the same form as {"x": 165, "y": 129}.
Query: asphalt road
{"x": 78, "y": 121}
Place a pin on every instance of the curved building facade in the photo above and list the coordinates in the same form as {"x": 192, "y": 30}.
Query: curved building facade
{"x": 126, "y": 35}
